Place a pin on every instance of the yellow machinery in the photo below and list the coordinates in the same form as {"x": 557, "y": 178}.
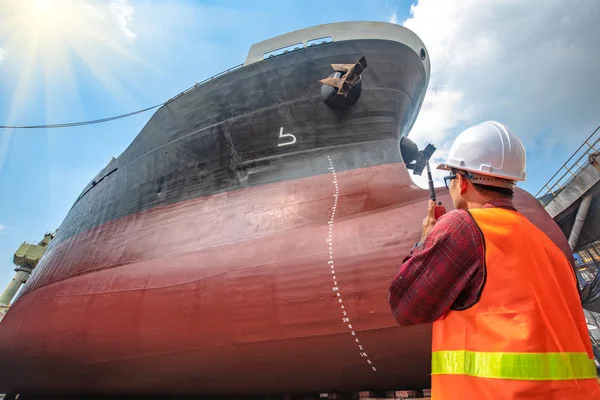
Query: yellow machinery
{"x": 26, "y": 259}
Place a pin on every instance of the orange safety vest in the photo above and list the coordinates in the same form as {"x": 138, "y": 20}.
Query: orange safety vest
{"x": 526, "y": 337}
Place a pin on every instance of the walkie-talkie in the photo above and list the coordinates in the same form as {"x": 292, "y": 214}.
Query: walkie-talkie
{"x": 417, "y": 160}
{"x": 439, "y": 208}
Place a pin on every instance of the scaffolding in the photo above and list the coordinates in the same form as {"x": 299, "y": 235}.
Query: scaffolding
{"x": 579, "y": 161}
{"x": 587, "y": 258}
{"x": 587, "y": 261}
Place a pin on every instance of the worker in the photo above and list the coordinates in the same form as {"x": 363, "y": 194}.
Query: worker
{"x": 502, "y": 297}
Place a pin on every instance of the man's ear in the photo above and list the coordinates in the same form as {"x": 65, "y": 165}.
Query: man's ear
{"x": 462, "y": 184}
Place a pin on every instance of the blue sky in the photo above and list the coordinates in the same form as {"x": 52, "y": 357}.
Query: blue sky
{"x": 132, "y": 54}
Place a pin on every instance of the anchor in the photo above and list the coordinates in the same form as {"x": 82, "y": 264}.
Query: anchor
{"x": 350, "y": 77}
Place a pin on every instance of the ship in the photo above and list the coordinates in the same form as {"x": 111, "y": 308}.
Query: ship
{"x": 245, "y": 241}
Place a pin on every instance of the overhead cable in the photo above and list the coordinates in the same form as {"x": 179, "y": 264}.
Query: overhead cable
{"x": 70, "y": 124}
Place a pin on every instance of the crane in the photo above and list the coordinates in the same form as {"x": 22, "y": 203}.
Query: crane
{"x": 26, "y": 258}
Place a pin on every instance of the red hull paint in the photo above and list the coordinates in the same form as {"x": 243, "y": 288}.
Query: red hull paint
{"x": 232, "y": 293}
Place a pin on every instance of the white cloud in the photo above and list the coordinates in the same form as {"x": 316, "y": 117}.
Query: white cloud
{"x": 95, "y": 11}
{"x": 119, "y": 12}
{"x": 2, "y": 227}
{"x": 1, "y": 55}
{"x": 393, "y": 16}
{"x": 116, "y": 12}
{"x": 123, "y": 12}
{"x": 531, "y": 65}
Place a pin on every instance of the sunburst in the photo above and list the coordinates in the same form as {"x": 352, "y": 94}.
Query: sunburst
{"x": 46, "y": 41}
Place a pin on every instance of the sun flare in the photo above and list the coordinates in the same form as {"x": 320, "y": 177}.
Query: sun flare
{"x": 49, "y": 48}
{"x": 48, "y": 41}
{"x": 43, "y": 4}
{"x": 48, "y": 20}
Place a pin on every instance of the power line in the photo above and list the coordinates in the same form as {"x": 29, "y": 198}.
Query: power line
{"x": 96, "y": 121}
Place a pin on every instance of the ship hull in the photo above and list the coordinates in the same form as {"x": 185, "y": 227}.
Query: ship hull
{"x": 233, "y": 132}
{"x": 248, "y": 309}
{"x": 221, "y": 314}
{"x": 212, "y": 257}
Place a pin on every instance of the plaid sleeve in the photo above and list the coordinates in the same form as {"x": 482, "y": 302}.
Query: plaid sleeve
{"x": 446, "y": 272}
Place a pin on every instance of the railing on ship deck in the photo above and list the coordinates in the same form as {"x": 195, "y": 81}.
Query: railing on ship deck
{"x": 570, "y": 169}
{"x": 273, "y": 53}
{"x": 203, "y": 82}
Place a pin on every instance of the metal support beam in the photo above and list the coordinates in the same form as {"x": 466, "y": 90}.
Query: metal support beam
{"x": 579, "y": 220}
{"x": 14, "y": 285}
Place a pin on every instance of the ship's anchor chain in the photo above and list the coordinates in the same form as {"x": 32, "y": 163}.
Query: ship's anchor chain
{"x": 342, "y": 88}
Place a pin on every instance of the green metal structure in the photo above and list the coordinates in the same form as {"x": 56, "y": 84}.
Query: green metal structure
{"x": 26, "y": 258}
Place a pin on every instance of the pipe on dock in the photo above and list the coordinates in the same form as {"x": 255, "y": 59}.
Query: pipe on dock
{"x": 579, "y": 220}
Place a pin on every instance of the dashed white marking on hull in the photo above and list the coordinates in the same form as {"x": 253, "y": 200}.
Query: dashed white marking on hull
{"x": 336, "y": 288}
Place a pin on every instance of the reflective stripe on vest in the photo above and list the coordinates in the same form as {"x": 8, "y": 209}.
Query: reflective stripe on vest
{"x": 523, "y": 366}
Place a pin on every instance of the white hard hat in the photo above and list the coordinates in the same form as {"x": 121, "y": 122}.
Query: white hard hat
{"x": 490, "y": 149}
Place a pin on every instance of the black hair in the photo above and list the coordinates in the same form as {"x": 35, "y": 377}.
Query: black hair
{"x": 493, "y": 191}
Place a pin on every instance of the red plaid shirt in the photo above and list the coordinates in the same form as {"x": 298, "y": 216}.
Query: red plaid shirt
{"x": 445, "y": 273}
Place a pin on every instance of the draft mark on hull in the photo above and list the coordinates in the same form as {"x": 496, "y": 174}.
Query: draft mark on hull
{"x": 336, "y": 288}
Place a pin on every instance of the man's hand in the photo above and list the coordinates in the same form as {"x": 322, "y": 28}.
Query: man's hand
{"x": 428, "y": 221}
